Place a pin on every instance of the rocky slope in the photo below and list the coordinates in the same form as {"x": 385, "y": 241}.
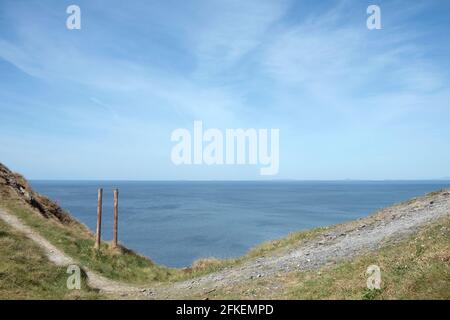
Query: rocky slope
{"x": 14, "y": 186}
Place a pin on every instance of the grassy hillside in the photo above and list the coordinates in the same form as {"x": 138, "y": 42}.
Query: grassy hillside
{"x": 74, "y": 238}
{"x": 26, "y": 273}
{"x": 415, "y": 268}
{"x": 78, "y": 243}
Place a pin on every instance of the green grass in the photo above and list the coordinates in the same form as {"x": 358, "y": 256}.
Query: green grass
{"x": 26, "y": 273}
{"x": 285, "y": 243}
{"x": 416, "y": 268}
{"x": 77, "y": 242}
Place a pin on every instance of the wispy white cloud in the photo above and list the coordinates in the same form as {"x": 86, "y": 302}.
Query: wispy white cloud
{"x": 343, "y": 66}
{"x": 154, "y": 66}
{"x": 217, "y": 41}
{"x": 228, "y": 30}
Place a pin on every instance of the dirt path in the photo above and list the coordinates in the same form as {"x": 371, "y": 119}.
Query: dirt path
{"x": 335, "y": 244}
{"x": 61, "y": 259}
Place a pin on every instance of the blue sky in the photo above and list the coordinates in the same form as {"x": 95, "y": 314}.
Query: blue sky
{"x": 101, "y": 102}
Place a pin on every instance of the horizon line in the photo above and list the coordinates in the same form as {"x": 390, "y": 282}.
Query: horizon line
{"x": 246, "y": 180}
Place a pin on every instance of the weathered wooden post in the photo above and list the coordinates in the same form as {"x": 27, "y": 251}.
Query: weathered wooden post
{"x": 116, "y": 217}
{"x": 99, "y": 218}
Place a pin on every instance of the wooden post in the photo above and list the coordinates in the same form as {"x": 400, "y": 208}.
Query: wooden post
{"x": 116, "y": 217}
{"x": 99, "y": 219}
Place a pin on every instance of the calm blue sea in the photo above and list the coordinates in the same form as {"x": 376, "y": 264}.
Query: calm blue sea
{"x": 175, "y": 223}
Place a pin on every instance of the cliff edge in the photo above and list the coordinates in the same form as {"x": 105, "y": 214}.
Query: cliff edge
{"x": 15, "y": 186}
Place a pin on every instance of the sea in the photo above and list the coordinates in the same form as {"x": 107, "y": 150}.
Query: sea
{"x": 176, "y": 222}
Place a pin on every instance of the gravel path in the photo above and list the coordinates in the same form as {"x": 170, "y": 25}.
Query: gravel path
{"x": 336, "y": 243}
